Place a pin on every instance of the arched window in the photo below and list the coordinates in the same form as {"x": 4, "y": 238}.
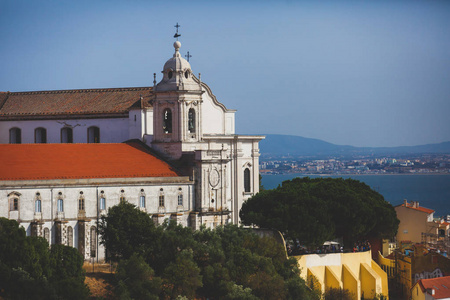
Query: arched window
{"x": 15, "y": 136}
{"x": 47, "y": 234}
{"x": 161, "y": 198}
{"x": 37, "y": 203}
{"x": 191, "y": 120}
{"x": 37, "y": 206}
{"x": 93, "y": 241}
{"x": 247, "y": 180}
{"x": 14, "y": 202}
{"x": 40, "y": 135}
{"x": 102, "y": 201}
{"x": 81, "y": 203}
{"x": 142, "y": 199}
{"x": 60, "y": 205}
{"x": 93, "y": 134}
{"x": 167, "y": 121}
{"x": 66, "y": 135}
{"x": 70, "y": 236}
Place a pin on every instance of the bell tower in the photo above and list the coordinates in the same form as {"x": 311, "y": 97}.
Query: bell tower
{"x": 176, "y": 107}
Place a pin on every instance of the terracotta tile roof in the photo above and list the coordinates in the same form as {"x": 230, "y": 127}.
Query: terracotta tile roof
{"x": 422, "y": 209}
{"x": 76, "y": 161}
{"x": 23, "y": 105}
{"x": 441, "y": 286}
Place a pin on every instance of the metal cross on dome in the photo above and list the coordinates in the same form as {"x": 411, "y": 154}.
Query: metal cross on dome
{"x": 188, "y": 56}
{"x": 176, "y": 35}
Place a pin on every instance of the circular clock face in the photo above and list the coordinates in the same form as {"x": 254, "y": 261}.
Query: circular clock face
{"x": 214, "y": 178}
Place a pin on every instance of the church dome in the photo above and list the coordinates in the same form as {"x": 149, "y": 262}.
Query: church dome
{"x": 177, "y": 73}
{"x": 177, "y": 63}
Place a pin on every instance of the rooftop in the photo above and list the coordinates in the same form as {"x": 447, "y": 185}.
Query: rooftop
{"x": 76, "y": 161}
{"x": 415, "y": 205}
{"x": 23, "y": 105}
{"x": 440, "y": 285}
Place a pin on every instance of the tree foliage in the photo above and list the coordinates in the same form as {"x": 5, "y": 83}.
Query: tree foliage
{"x": 338, "y": 294}
{"x": 28, "y": 262}
{"x": 136, "y": 279}
{"x": 225, "y": 263}
{"x": 316, "y": 210}
{"x": 126, "y": 230}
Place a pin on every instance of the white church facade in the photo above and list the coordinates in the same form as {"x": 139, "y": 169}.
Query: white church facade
{"x": 169, "y": 149}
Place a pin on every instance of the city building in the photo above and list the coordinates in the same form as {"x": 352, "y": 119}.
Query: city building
{"x": 414, "y": 221}
{"x": 355, "y": 272}
{"x": 430, "y": 289}
{"x": 177, "y": 124}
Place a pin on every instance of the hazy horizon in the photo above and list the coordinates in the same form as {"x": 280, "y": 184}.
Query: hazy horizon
{"x": 360, "y": 73}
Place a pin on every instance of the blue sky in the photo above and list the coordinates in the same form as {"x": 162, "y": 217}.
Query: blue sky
{"x": 362, "y": 73}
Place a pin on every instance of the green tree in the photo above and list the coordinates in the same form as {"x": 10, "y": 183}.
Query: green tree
{"x": 338, "y": 294}
{"x": 126, "y": 230}
{"x": 315, "y": 210}
{"x": 28, "y": 262}
{"x": 183, "y": 276}
{"x": 136, "y": 279}
{"x": 67, "y": 272}
{"x": 203, "y": 263}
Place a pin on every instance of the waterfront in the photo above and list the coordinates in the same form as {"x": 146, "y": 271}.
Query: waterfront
{"x": 432, "y": 191}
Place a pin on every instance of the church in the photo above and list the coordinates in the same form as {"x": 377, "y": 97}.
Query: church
{"x": 170, "y": 149}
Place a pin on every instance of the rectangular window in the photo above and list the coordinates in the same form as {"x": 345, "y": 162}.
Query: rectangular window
{"x": 14, "y": 204}
{"x": 81, "y": 204}
{"x": 161, "y": 201}
{"x": 102, "y": 203}
{"x": 60, "y": 205}
{"x": 38, "y": 206}
{"x": 142, "y": 201}
{"x": 180, "y": 200}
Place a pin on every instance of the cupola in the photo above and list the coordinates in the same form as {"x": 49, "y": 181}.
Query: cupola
{"x": 177, "y": 74}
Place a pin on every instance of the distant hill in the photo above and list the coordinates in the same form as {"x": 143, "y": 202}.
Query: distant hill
{"x": 277, "y": 145}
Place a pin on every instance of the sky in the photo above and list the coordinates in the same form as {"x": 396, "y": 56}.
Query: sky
{"x": 360, "y": 73}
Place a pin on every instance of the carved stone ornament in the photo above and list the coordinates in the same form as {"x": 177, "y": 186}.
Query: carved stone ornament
{"x": 214, "y": 177}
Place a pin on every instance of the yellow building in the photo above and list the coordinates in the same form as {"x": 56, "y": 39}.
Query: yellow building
{"x": 407, "y": 270}
{"x": 356, "y": 272}
{"x": 415, "y": 221}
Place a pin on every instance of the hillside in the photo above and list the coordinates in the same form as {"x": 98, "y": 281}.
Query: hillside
{"x": 277, "y": 144}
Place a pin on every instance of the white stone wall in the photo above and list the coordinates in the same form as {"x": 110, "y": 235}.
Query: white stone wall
{"x": 112, "y": 130}
{"x": 49, "y": 196}
{"x": 136, "y": 124}
{"x": 213, "y": 121}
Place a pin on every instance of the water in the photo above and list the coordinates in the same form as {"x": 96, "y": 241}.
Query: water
{"x": 432, "y": 191}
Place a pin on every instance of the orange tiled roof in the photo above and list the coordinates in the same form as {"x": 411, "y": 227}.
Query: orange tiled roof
{"x": 423, "y": 209}
{"x": 23, "y": 105}
{"x": 73, "y": 161}
{"x": 441, "y": 286}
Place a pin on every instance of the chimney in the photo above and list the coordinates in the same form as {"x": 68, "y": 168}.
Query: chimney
{"x": 405, "y": 202}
